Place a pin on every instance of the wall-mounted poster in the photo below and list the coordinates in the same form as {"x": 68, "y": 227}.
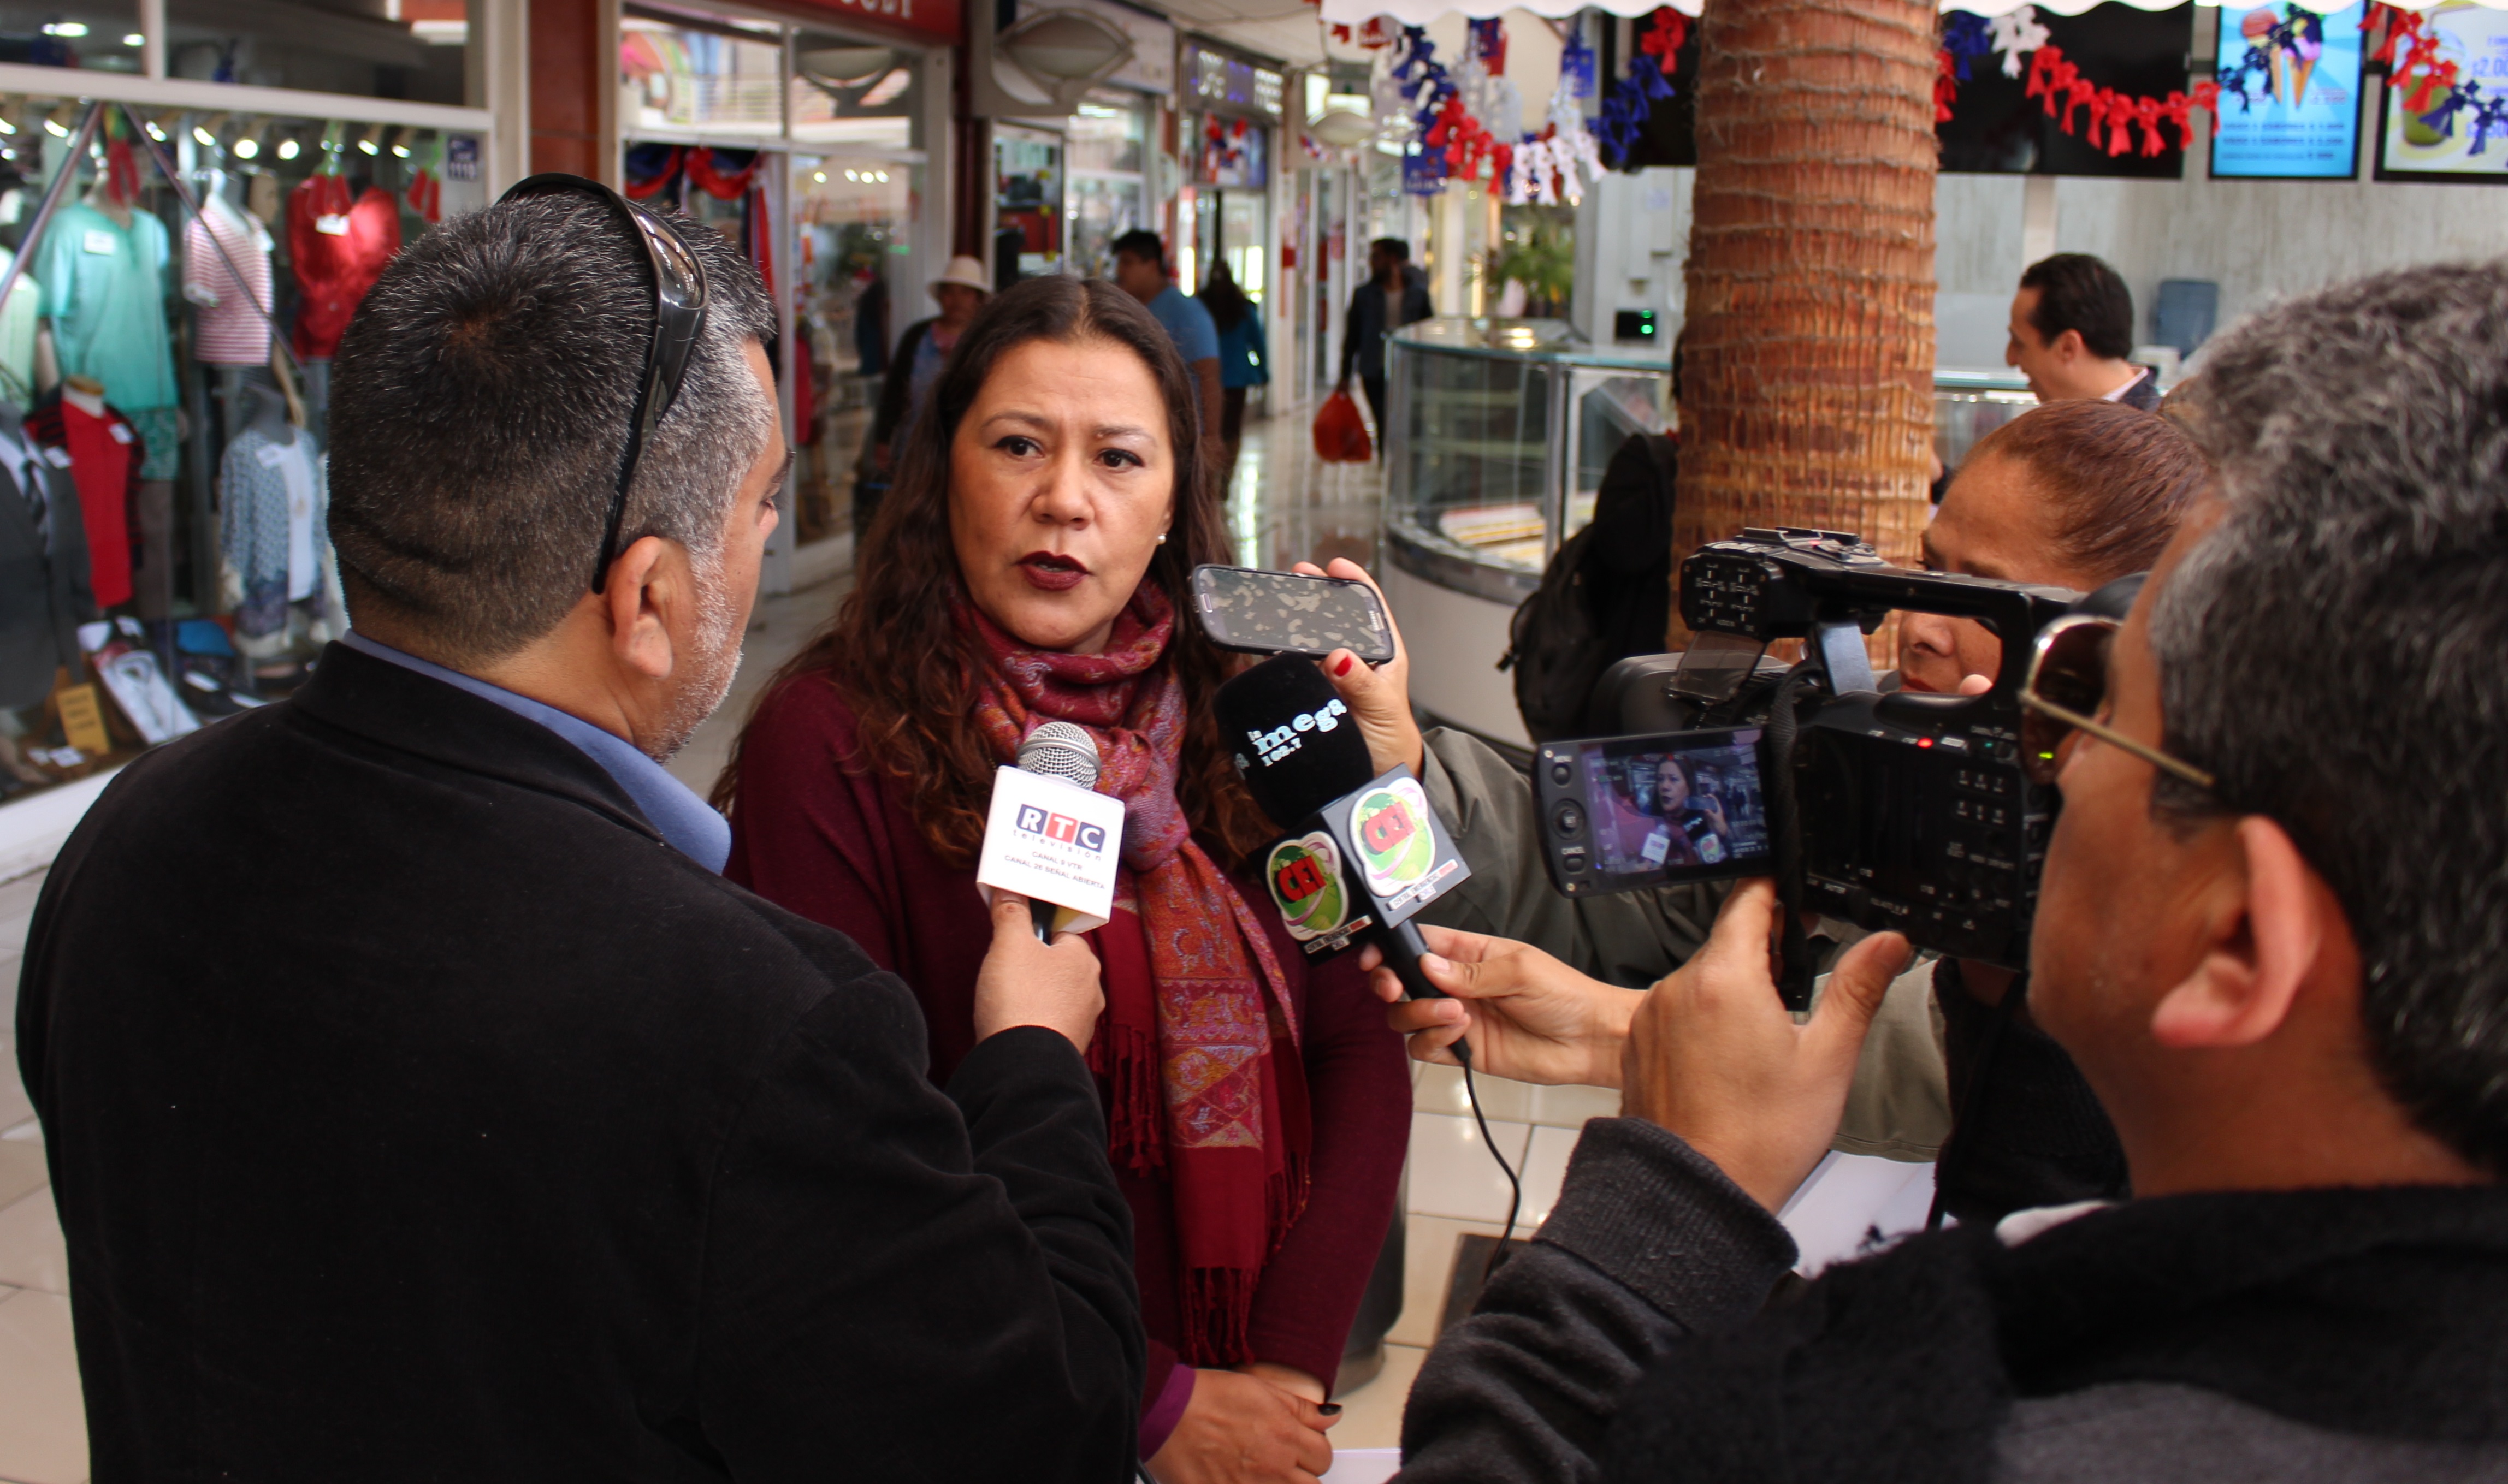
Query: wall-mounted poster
{"x": 2463, "y": 136}
{"x": 2290, "y": 94}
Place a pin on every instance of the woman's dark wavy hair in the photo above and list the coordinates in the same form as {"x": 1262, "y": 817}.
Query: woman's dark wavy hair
{"x": 908, "y": 669}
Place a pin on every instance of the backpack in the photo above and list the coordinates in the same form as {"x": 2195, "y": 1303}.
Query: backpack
{"x": 1607, "y": 594}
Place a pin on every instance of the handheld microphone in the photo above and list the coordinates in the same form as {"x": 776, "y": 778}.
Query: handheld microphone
{"x": 1365, "y": 851}
{"x": 1058, "y": 749}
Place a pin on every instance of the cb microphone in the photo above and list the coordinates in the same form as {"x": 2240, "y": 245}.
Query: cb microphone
{"x": 1058, "y": 749}
{"x": 1365, "y": 851}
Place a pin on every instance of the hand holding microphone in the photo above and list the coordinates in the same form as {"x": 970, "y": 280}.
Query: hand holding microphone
{"x": 1049, "y": 833}
{"x": 1027, "y": 983}
{"x": 1367, "y": 853}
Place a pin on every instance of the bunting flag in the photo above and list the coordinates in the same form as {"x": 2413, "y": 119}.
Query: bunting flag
{"x": 1630, "y": 99}
{"x": 2105, "y": 119}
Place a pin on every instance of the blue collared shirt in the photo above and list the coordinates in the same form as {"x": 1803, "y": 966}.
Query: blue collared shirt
{"x": 686, "y": 821}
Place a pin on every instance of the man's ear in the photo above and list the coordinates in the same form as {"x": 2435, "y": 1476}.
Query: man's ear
{"x": 2068, "y": 346}
{"x": 2266, "y": 941}
{"x": 637, "y": 635}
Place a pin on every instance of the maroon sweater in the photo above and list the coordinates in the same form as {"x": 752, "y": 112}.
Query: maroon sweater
{"x": 817, "y": 830}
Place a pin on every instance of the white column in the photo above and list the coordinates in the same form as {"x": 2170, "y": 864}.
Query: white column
{"x": 2037, "y": 218}
{"x": 152, "y": 37}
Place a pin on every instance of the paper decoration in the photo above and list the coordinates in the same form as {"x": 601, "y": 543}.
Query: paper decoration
{"x": 2427, "y": 85}
{"x": 2106, "y": 118}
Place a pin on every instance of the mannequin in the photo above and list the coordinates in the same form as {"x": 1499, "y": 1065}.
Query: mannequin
{"x": 231, "y": 325}
{"x": 279, "y": 569}
{"x": 102, "y": 263}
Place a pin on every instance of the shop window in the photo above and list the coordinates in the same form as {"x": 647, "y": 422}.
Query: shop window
{"x": 177, "y": 451}
{"x": 403, "y": 49}
{"x": 680, "y": 73}
{"x": 1027, "y": 203}
{"x": 1109, "y": 145}
{"x": 1108, "y": 134}
{"x": 105, "y": 37}
{"x": 856, "y": 215}
{"x": 847, "y": 92}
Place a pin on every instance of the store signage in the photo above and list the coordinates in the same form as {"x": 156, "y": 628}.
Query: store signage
{"x": 2459, "y": 133}
{"x": 2290, "y": 94}
{"x": 941, "y": 22}
{"x": 1225, "y": 84}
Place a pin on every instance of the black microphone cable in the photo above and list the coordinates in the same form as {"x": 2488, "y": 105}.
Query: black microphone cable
{"x": 1462, "y": 1050}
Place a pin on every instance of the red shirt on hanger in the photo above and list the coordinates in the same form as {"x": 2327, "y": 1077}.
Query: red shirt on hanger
{"x": 103, "y": 463}
{"x": 339, "y": 248}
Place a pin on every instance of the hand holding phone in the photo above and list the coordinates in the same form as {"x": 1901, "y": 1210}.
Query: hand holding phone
{"x": 1253, "y": 611}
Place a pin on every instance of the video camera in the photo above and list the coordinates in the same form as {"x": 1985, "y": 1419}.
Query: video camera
{"x": 1907, "y": 812}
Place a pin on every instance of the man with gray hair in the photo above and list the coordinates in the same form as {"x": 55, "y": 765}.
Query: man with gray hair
{"x": 2272, "y": 932}
{"x": 421, "y": 1103}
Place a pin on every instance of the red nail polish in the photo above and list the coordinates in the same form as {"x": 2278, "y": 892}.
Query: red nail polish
{"x": 1346, "y": 661}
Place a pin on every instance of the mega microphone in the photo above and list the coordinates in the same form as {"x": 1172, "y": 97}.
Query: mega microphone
{"x": 1050, "y": 836}
{"x": 1365, "y": 851}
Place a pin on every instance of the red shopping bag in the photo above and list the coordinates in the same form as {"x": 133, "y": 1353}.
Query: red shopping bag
{"x": 1341, "y": 434}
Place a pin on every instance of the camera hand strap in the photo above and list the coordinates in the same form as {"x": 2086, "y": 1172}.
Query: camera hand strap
{"x": 1796, "y": 967}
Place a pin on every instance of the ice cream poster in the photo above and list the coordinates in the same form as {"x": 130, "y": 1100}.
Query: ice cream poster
{"x": 2462, "y": 132}
{"x": 2290, "y": 93}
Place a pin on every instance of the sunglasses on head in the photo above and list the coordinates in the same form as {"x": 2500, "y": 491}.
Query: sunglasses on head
{"x": 2066, "y": 687}
{"x": 678, "y": 318}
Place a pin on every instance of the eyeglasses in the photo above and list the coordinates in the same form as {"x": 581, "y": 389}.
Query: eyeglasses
{"x": 678, "y": 318}
{"x": 2068, "y": 681}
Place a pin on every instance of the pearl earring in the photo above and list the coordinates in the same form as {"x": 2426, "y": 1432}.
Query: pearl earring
{"x": 1162, "y": 538}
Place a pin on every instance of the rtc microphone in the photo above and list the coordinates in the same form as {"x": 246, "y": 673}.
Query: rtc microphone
{"x": 1366, "y": 853}
{"x": 1058, "y": 749}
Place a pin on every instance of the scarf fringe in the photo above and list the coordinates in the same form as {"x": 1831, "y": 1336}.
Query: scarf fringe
{"x": 1136, "y": 1128}
{"x": 1218, "y": 1312}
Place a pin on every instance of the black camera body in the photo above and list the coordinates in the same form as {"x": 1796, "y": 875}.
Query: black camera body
{"x": 1909, "y": 812}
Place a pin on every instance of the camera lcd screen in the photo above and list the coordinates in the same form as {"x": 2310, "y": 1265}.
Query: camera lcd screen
{"x": 1677, "y": 807}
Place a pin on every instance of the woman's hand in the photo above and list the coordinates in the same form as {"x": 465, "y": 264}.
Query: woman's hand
{"x": 1379, "y": 697}
{"x": 1242, "y": 1429}
{"x": 1527, "y": 1016}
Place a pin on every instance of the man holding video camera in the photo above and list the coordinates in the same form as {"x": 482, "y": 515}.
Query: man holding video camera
{"x": 2269, "y": 932}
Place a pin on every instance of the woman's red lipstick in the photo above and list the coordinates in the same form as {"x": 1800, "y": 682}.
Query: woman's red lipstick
{"x": 1053, "y": 572}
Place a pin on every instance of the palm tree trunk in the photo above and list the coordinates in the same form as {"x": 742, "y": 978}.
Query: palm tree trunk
{"x": 1807, "y": 352}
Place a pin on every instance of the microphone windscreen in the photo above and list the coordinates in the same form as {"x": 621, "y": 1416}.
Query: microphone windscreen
{"x": 1292, "y": 737}
{"x": 1060, "y": 749}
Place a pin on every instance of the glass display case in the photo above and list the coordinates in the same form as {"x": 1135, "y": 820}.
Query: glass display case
{"x": 1496, "y": 444}
{"x": 1968, "y": 405}
{"x": 1500, "y": 433}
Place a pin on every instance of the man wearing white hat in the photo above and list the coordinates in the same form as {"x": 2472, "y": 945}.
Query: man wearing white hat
{"x": 920, "y": 351}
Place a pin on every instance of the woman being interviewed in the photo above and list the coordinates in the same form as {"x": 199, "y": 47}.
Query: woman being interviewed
{"x": 1030, "y": 565}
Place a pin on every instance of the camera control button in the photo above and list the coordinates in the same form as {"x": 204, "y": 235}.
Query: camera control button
{"x": 1563, "y": 772}
{"x": 1567, "y": 820}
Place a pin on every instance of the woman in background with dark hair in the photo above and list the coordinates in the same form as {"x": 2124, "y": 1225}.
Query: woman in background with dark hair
{"x": 1030, "y": 565}
{"x": 1240, "y": 361}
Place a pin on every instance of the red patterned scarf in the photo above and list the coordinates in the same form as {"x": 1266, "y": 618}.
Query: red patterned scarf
{"x": 1215, "y": 1019}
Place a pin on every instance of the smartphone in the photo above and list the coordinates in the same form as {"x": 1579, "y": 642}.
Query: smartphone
{"x": 1257, "y": 612}
{"x": 1623, "y": 812}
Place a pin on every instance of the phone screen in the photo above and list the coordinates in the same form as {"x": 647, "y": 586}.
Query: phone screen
{"x": 1260, "y": 612}
{"x": 1678, "y": 807}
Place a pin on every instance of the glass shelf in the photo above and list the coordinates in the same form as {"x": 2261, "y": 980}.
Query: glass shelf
{"x": 1500, "y": 430}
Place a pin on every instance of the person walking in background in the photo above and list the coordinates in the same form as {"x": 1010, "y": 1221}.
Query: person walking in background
{"x": 1141, "y": 270}
{"x": 2072, "y": 328}
{"x": 1241, "y": 362}
{"x": 920, "y": 353}
{"x": 1395, "y": 294}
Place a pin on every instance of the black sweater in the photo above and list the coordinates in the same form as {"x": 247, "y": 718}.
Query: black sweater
{"x": 2288, "y": 1335}
{"x": 416, "y": 1113}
